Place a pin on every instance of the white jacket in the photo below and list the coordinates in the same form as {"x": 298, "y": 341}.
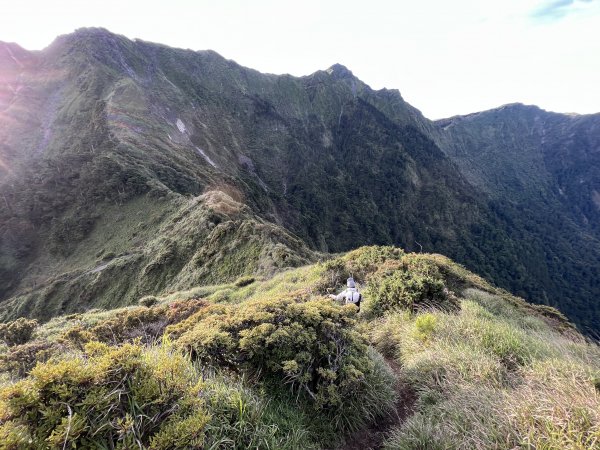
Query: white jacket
{"x": 349, "y": 295}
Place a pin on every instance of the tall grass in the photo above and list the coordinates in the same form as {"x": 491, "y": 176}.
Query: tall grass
{"x": 490, "y": 377}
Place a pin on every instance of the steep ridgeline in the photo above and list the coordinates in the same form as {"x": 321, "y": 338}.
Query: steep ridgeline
{"x": 104, "y": 142}
{"x": 541, "y": 171}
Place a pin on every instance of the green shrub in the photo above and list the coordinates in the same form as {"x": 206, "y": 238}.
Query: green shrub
{"x": 425, "y": 325}
{"x": 180, "y": 310}
{"x": 311, "y": 347}
{"x": 244, "y": 281}
{"x": 18, "y": 331}
{"x": 221, "y": 295}
{"x": 410, "y": 283}
{"x": 20, "y": 359}
{"x": 359, "y": 264}
{"x": 148, "y": 301}
{"x": 375, "y": 401}
{"x": 146, "y": 324}
{"x": 364, "y": 261}
{"x": 130, "y": 397}
{"x": 131, "y": 324}
{"x": 76, "y": 336}
{"x": 121, "y": 397}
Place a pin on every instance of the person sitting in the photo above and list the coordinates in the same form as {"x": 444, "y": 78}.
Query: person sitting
{"x": 350, "y": 295}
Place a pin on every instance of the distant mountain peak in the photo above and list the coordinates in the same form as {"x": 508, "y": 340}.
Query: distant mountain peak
{"x": 340, "y": 71}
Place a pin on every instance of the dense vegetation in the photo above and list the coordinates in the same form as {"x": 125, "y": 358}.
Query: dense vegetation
{"x": 132, "y": 169}
{"x": 541, "y": 171}
{"x": 446, "y": 361}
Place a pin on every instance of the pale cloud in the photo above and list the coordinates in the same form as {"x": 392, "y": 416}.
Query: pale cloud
{"x": 557, "y": 9}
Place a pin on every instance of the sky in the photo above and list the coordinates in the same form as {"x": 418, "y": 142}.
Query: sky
{"x": 445, "y": 57}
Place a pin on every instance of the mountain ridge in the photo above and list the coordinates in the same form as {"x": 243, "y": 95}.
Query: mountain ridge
{"x": 121, "y": 119}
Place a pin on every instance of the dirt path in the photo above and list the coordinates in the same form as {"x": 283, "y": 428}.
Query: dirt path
{"x": 372, "y": 438}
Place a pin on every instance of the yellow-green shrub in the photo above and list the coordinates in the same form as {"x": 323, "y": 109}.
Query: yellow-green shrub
{"x": 110, "y": 397}
{"x": 148, "y": 301}
{"x": 18, "y": 331}
{"x": 145, "y": 323}
{"x": 140, "y": 322}
{"x": 409, "y": 283}
{"x": 425, "y": 325}
{"x": 20, "y": 359}
{"x": 135, "y": 397}
{"x": 310, "y": 346}
{"x": 360, "y": 264}
{"x": 244, "y": 281}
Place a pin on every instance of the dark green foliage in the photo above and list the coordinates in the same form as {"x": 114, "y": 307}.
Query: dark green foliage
{"x": 541, "y": 170}
{"x": 18, "y": 331}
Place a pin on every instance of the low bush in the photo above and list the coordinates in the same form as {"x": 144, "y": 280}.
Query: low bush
{"x": 180, "y": 310}
{"x": 148, "y": 301}
{"x": 244, "y": 281}
{"x": 310, "y": 346}
{"x": 130, "y": 397}
{"x": 111, "y": 398}
{"x": 20, "y": 359}
{"x": 425, "y": 326}
{"x": 409, "y": 283}
{"x": 364, "y": 261}
{"x": 146, "y": 324}
{"x": 140, "y": 322}
{"x": 359, "y": 264}
{"x": 18, "y": 331}
{"x": 76, "y": 337}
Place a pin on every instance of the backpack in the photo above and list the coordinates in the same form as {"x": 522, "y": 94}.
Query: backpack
{"x": 353, "y": 296}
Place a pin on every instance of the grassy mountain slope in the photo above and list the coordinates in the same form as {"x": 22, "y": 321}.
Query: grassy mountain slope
{"x": 96, "y": 125}
{"x": 179, "y": 244}
{"x": 438, "y": 358}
